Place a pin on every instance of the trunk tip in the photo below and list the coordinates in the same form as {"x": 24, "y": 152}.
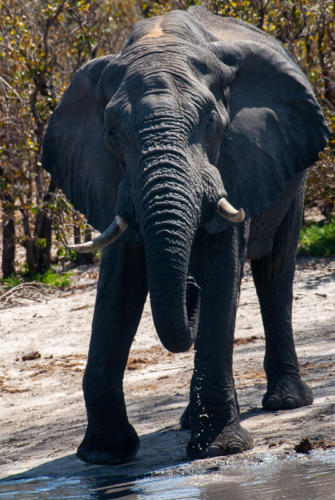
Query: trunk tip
{"x": 177, "y": 345}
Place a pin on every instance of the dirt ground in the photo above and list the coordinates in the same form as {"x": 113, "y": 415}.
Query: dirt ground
{"x": 44, "y": 342}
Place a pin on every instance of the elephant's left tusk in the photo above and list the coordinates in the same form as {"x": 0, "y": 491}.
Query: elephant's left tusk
{"x": 112, "y": 233}
{"x": 230, "y": 213}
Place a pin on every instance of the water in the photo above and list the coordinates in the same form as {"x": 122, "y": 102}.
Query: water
{"x": 304, "y": 478}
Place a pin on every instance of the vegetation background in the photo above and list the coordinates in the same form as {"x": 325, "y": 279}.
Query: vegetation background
{"x": 43, "y": 43}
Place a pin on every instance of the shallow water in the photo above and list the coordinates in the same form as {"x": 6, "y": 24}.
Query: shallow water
{"x": 304, "y": 478}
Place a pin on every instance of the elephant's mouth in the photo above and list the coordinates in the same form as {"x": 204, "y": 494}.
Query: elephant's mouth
{"x": 193, "y": 303}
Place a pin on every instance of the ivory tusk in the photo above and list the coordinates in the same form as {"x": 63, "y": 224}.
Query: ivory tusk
{"x": 230, "y": 213}
{"x": 112, "y": 233}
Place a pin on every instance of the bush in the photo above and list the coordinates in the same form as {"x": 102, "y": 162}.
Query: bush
{"x": 50, "y": 278}
{"x": 11, "y": 281}
{"x": 318, "y": 240}
{"x": 53, "y": 278}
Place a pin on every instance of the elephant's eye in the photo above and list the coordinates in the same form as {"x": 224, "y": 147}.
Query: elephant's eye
{"x": 112, "y": 138}
{"x": 112, "y": 134}
{"x": 214, "y": 131}
{"x": 213, "y": 122}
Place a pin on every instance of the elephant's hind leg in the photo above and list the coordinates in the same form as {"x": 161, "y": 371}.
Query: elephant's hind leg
{"x": 122, "y": 290}
{"x": 273, "y": 277}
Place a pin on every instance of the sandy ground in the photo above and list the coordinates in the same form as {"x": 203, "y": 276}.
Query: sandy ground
{"x": 42, "y": 414}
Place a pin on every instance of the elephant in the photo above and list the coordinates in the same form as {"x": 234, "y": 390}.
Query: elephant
{"x": 188, "y": 152}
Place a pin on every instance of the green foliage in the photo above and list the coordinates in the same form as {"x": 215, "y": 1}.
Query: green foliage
{"x": 51, "y": 278}
{"x": 11, "y": 281}
{"x": 318, "y": 240}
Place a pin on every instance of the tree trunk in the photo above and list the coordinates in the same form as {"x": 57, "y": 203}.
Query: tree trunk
{"x": 38, "y": 246}
{"x": 82, "y": 258}
{"x": 8, "y": 242}
{"x": 42, "y": 243}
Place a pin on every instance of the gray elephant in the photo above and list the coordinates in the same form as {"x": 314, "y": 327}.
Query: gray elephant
{"x": 156, "y": 145}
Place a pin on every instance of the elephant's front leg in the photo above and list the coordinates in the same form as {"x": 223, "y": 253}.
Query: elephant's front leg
{"x": 121, "y": 294}
{"x": 213, "y": 409}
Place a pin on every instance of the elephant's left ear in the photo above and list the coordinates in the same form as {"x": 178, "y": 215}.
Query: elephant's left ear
{"x": 276, "y": 125}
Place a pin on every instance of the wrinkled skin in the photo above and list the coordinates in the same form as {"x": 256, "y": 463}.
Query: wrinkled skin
{"x": 193, "y": 109}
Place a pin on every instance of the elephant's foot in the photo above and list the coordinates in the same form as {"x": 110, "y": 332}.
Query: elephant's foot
{"x": 185, "y": 419}
{"x": 100, "y": 447}
{"x": 216, "y": 429}
{"x": 287, "y": 393}
{"x": 232, "y": 439}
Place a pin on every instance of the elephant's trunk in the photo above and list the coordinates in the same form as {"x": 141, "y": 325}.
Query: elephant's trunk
{"x": 171, "y": 214}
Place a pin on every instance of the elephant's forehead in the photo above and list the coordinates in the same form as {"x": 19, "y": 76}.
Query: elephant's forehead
{"x": 179, "y": 58}
{"x": 145, "y": 55}
{"x": 162, "y": 68}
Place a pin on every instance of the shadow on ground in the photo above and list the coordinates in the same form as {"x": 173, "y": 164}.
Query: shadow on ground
{"x": 169, "y": 445}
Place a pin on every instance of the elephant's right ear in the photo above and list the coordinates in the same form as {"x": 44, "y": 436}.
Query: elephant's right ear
{"x": 74, "y": 152}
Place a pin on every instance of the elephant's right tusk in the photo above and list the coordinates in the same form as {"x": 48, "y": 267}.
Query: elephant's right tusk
{"x": 112, "y": 233}
{"x": 229, "y": 212}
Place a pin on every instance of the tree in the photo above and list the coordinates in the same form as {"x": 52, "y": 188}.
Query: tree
{"x": 43, "y": 43}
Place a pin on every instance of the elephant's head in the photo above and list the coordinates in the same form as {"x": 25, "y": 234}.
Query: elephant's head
{"x": 194, "y": 110}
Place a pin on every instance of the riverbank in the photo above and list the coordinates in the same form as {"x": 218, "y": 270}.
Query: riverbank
{"x": 44, "y": 342}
